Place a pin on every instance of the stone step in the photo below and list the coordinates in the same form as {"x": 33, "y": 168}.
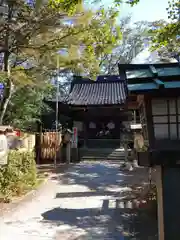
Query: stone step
{"x": 102, "y": 154}
{"x": 102, "y": 149}
{"x": 84, "y": 158}
{"x": 125, "y": 204}
{"x": 103, "y": 157}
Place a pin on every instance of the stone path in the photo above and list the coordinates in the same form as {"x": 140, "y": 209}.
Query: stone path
{"x": 89, "y": 201}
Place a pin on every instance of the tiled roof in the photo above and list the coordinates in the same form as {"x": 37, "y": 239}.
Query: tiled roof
{"x": 97, "y": 93}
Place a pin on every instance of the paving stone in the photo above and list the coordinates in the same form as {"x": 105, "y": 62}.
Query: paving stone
{"x": 89, "y": 201}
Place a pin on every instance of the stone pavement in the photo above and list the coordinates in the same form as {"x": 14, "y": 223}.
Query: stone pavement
{"x": 89, "y": 201}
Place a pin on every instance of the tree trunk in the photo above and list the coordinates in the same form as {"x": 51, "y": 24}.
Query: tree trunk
{"x": 7, "y": 98}
{"x": 9, "y": 85}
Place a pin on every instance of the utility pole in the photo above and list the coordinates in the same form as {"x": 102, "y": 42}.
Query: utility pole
{"x": 57, "y": 110}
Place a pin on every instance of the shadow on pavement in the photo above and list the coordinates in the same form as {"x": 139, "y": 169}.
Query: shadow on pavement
{"x": 121, "y": 221}
{"x": 105, "y": 223}
{"x": 104, "y": 176}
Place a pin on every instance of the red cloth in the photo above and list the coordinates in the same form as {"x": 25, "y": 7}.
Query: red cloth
{"x": 17, "y": 133}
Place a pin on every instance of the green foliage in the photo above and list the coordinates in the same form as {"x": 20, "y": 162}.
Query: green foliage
{"x": 119, "y": 2}
{"x": 35, "y": 35}
{"x": 19, "y": 175}
{"x": 29, "y": 101}
{"x": 69, "y": 6}
{"x": 173, "y": 9}
{"x": 166, "y": 38}
{"x": 3, "y": 77}
{"x": 165, "y": 35}
{"x": 131, "y": 43}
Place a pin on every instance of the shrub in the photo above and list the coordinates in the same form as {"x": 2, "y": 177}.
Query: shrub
{"x": 19, "y": 175}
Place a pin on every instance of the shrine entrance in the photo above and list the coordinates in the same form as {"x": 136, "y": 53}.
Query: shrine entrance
{"x": 104, "y": 133}
{"x": 98, "y": 109}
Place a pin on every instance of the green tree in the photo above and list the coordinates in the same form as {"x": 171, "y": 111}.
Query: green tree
{"x": 31, "y": 36}
{"x": 25, "y": 107}
{"x": 119, "y": 2}
{"x": 166, "y": 34}
{"x": 131, "y": 44}
{"x": 165, "y": 51}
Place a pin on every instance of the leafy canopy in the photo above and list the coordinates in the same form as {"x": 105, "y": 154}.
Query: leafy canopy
{"x": 32, "y": 34}
{"x": 131, "y": 44}
{"x": 167, "y": 34}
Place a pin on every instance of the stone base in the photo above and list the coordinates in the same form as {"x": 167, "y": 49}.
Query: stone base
{"x": 127, "y": 166}
{"x": 135, "y": 164}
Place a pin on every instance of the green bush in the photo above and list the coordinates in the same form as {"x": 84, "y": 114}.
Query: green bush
{"x": 19, "y": 176}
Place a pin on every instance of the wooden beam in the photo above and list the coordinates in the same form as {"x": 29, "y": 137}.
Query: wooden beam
{"x": 132, "y": 105}
{"x": 140, "y": 99}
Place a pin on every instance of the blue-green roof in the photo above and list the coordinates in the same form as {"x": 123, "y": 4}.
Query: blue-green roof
{"x": 152, "y": 86}
{"x": 142, "y": 73}
{"x": 142, "y": 86}
{"x": 173, "y": 84}
{"x": 170, "y": 71}
{"x": 151, "y": 76}
{"x": 146, "y": 73}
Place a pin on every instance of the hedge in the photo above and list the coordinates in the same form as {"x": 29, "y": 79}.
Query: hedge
{"x": 19, "y": 175}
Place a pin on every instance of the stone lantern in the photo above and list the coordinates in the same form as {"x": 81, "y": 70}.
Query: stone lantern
{"x": 67, "y": 136}
{"x": 157, "y": 87}
{"x": 67, "y": 141}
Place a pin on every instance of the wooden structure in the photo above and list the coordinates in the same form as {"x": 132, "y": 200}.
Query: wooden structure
{"x": 48, "y": 147}
{"x": 98, "y": 109}
{"x": 157, "y": 87}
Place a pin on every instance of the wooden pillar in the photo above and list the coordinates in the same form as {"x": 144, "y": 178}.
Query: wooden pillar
{"x": 168, "y": 193}
{"x": 85, "y": 134}
{"x": 120, "y": 140}
{"x": 68, "y": 152}
{"x": 74, "y": 146}
{"x": 126, "y": 151}
{"x": 134, "y": 116}
{"x": 159, "y": 187}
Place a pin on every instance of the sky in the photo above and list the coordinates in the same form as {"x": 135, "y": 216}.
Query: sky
{"x": 147, "y": 10}
{"x": 150, "y": 10}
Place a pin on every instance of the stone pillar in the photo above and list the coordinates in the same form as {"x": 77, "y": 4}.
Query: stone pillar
{"x": 168, "y": 193}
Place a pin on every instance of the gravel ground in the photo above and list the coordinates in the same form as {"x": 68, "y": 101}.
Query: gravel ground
{"x": 91, "y": 200}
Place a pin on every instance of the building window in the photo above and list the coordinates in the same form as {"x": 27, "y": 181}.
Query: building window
{"x": 166, "y": 118}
